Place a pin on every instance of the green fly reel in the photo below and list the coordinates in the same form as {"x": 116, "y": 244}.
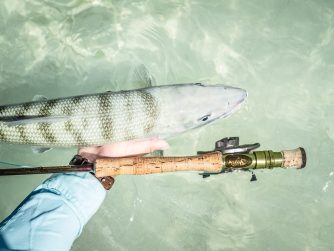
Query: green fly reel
{"x": 242, "y": 157}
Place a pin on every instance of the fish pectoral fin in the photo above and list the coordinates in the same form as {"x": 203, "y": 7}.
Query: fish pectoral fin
{"x": 24, "y": 120}
{"x": 158, "y": 153}
{"x": 39, "y": 149}
{"x": 39, "y": 98}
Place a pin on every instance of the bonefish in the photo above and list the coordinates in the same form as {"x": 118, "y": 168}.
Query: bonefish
{"x": 98, "y": 119}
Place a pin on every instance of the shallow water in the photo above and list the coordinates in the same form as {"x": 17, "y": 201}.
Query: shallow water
{"x": 281, "y": 52}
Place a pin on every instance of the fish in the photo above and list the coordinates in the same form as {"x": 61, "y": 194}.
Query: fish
{"x": 103, "y": 118}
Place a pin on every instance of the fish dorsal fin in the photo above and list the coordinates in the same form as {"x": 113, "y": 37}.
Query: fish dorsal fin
{"x": 39, "y": 98}
{"x": 141, "y": 77}
{"x": 24, "y": 120}
{"x": 137, "y": 76}
{"x": 39, "y": 149}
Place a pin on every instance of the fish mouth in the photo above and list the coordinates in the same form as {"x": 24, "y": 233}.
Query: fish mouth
{"x": 236, "y": 107}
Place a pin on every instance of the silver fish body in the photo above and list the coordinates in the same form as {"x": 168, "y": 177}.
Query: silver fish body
{"x": 99, "y": 119}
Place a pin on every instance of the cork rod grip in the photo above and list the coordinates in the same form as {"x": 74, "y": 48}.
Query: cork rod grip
{"x": 294, "y": 158}
{"x": 210, "y": 162}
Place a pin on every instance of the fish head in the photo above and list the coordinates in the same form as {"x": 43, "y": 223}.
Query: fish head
{"x": 187, "y": 106}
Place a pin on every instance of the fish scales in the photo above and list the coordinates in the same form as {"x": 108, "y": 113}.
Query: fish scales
{"x": 84, "y": 120}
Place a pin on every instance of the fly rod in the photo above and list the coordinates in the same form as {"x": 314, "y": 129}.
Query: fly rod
{"x": 228, "y": 156}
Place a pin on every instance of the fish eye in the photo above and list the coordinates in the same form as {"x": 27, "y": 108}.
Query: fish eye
{"x": 205, "y": 118}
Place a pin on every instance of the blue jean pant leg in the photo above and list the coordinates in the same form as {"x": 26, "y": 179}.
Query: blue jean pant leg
{"x": 53, "y": 215}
